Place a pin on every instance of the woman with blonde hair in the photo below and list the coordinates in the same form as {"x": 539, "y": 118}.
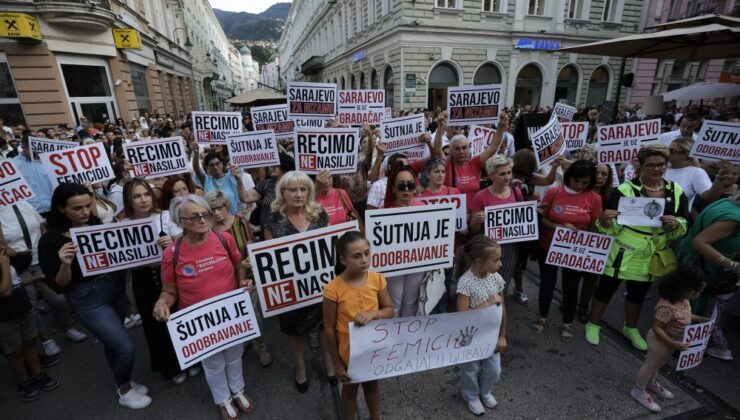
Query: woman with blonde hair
{"x": 686, "y": 172}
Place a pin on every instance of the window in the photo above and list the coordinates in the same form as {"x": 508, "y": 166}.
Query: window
{"x": 487, "y": 74}
{"x": 575, "y": 9}
{"x": 612, "y": 11}
{"x": 536, "y": 7}
{"x": 386, "y": 7}
{"x": 85, "y": 81}
{"x": 374, "y": 80}
{"x": 10, "y": 105}
{"x": 141, "y": 91}
{"x": 388, "y": 85}
{"x": 448, "y": 4}
{"x": 371, "y": 12}
{"x": 492, "y": 6}
{"x": 679, "y": 69}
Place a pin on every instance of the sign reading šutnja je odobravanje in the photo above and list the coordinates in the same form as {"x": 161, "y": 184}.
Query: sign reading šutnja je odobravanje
{"x": 332, "y": 149}
{"x": 312, "y": 100}
{"x": 213, "y": 127}
{"x": 402, "y": 133}
{"x": 513, "y": 222}
{"x": 157, "y": 157}
{"x": 579, "y": 250}
{"x": 13, "y": 187}
{"x": 80, "y": 165}
{"x": 275, "y": 118}
{"x": 478, "y": 104}
{"x": 718, "y": 140}
{"x": 255, "y": 149}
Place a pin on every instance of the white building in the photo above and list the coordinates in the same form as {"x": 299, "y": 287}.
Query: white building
{"x": 271, "y": 74}
{"x": 250, "y": 70}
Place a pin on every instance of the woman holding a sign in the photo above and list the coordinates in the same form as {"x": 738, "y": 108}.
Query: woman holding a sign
{"x": 215, "y": 179}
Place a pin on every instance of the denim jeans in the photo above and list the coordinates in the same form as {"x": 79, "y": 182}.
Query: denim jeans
{"x": 477, "y": 378}
{"x": 100, "y": 305}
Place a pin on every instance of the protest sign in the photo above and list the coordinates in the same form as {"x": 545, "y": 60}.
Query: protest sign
{"x": 211, "y": 326}
{"x": 391, "y": 347}
{"x": 275, "y": 118}
{"x": 157, "y": 158}
{"x": 305, "y": 123}
{"x": 548, "y": 142}
{"x": 479, "y": 138}
{"x": 417, "y": 153}
{"x": 116, "y": 246}
{"x": 615, "y": 175}
{"x": 312, "y": 100}
{"x": 620, "y": 143}
{"x": 478, "y": 104}
{"x": 358, "y": 107}
{"x": 255, "y": 149}
{"x": 212, "y": 127}
{"x": 80, "y": 165}
{"x": 402, "y": 133}
{"x": 640, "y": 211}
{"x": 564, "y": 112}
{"x": 579, "y": 250}
{"x": 413, "y": 239}
{"x": 39, "y": 145}
{"x": 718, "y": 140}
{"x": 13, "y": 187}
{"x": 334, "y": 149}
{"x": 697, "y": 337}
{"x": 388, "y": 113}
{"x": 575, "y": 135}
{"x": 291, "y": 271}
{"x": 461, "y": 208}
{"x": 513, "y": 222}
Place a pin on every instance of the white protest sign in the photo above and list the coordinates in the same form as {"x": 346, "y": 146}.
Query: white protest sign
{"x": 402, "y": 133}
{"x": 564, "y": 112}
{"x": 461, "y": 208}
{"x": 358, "y": 107}
{"x": 579, "y": 250}
{"x": 39, "y": 145}
{"x": 513, "y": 222}
{"x": 479, "y": 138}
{"x": 417, "y": 153}
{"x": 718, "y": 140}
{"x": 575, "y": 135}
{"x": 312, "y": 100}
{"x": 620, "y": 143}
{"x": 478, "y": 104}
{"x": 211, "y": 326}
{"x": 116, "y": 246}
{"x": 388, "y": 113}
{"x": 334, "y": 149}
{"x": 157, "y": 158}
{"x": 275, "y": 118}
{"x": 291, "y": 271}
{"x": 213, "y": 127}
{"x": 615, "y": 175}
{"x": 413, "y": 239}
{"x": 254, "y": 149}
{"x": 308, "y": 123}
{"x": 548, "y": 142}
{"x": 79, "y": 165}
{"x": 697, "y": 337}
{"x": 391, "y": 347}
{"x": 640, "y": 211}
{"x": 13, "y": 187}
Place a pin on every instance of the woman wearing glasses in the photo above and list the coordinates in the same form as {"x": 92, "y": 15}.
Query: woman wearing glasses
{"x": 634, "y": 246}
{"x": 215, "y": 179}
{"x": 200, "y": 265}
{"x": 686, "y": 172}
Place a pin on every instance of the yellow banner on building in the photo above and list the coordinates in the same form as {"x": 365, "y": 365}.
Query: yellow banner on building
{"x": 127, "y": 38}
{"x": 19, "y": 25}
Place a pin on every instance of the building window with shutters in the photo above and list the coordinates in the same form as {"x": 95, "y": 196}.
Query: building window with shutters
{"x": 493, "y": 6}
{"x": 10, "y": 105}
{"x": 141, "y": 91}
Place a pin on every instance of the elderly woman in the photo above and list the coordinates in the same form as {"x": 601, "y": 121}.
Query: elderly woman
{"x": 294, "y": 211}
{"x": 685, "y": 171}
{"x": 215, "y": 179}
{"x": 200, "y": 265}
{"x": 634, "y": 246}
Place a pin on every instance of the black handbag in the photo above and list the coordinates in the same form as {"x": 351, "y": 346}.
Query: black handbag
{"x": 722, "y": 283}
{"x": 22, "y": 260}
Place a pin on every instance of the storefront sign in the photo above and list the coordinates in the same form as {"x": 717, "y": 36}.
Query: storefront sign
{"x": 211, "y": 326}
{"x": 537, "y": 44}
{"x": 474, "y": 104}
{"x": 579, "y": 250}
{"x": 128, "y": 38}
{"x": 479, "y": 138}
{"x": 275, "y": 118}
{"x": 332, "y": 149}
{"x": 19, "y": 25}
{"x": 116, "y": 246}
{"x": 461, "y": 208}
{"x": 402, "y": 133}
{"x": 13, "y": 187}
{"x": 157, "y": 158}
{"x": 358, "y": 107}
{"x": 640, "y": 211}
{"x": 514, "y": 222}
{"x": 564, "y": 112}
{"x": 163, "y": 60}
{"x": 312, "y": 100}
{"x": 80, "y": 165}
{"x": 619, "y": 143}
{"x": 575, "y": 135}
{"x": 548, "y": 142}
{"x": 291, "y": 271}
{"x": 412, "y": 239}
{"x": 255, "y": 149}
{"x": 213, "y": 127}
{"x": 39, "y": 145}
{"x": 718, "y": 140}
{"x": 697, "y": 337}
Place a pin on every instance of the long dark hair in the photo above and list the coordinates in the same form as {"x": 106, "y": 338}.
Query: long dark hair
{"x": 396, "y": 169}
{"x": 581, "y": 168}
{"x": 341, "y": 248}
{"x": 685, "y": 279}
{"x": 62, "y": 193}
{"x": 478, "y": 247}
{"x": 607, "y": 190}
{"x": 169, "y": 185}
{"x": 128, "y": 192}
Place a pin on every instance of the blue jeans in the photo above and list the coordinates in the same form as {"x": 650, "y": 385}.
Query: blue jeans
{"x": 101, "y": 305}
{"x": 477, "y": 378}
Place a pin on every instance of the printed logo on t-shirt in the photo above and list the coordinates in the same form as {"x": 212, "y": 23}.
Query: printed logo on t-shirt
{"x": 189, "y": 270}
{"x": 558, "y": 208}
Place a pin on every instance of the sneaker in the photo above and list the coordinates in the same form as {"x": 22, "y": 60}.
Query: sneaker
{"x": 180, "y": 378}
{"x": 194, "y": 370}
{"x": 722, "y": 354}
{"x": 75, "y": 336}
{"x": 28, "y": 391}
{"x": 476, "y": 407}
{"x": 592, "y": 334}
{"x": 141, "y": 389}
{"x": 521, "y": 296}
{"x": 47, "y": 361}
{"x": 134, "y": 400}
{"x": 659, "y": 390}
{"x": 489, "y": 401}
{"x": 634, "y": 336}
{"x": 50, "y": 347}
{"x": 131, "y": 321}
{"x": 644, "y": 398}
{"x": 43, "y": 381}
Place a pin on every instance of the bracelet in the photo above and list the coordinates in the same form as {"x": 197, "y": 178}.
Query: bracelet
{"x": 721, "y": 259}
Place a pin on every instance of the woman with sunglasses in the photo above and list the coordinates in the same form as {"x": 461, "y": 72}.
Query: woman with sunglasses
{"x": 686, "y": 172}
{"x": 215, "y": 179}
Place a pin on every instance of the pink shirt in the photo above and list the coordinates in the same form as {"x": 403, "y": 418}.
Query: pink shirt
{"x": 203, "y": 271}
{"x": 578, "y": 209}
{"x": 484, "y": 198}
{"x": 414, "y": 202}
{"x": 333, "y": 206}
{"x": 445, "y": 190}
{"x": 467, "y": 177}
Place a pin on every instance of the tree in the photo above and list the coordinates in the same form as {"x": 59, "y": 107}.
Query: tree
{"x": 261, "y": 54}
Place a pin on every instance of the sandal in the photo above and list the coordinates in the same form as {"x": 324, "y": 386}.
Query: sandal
{"x": 539, "y": 325}
{"x": 244, "y": 403}
{"x": 228, "y": 412}
{"x": 566, "y": 333}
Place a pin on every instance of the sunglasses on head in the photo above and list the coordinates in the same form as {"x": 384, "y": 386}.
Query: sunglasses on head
{"x": 406, "y": 186}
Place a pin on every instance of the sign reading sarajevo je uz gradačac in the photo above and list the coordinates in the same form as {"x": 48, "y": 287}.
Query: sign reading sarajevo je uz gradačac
{"x": 619, "y": 143}
{"x": 13, "y": 187}
{"x": 358, "y": 107}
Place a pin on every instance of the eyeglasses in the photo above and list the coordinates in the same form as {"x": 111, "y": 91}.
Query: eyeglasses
{"x": 198, "y": 217}
{"x": 214, "y": 164}
{"x": 655, "y": 166}
{"x": 406, "y": 186}
{"x": 218, "y": 208}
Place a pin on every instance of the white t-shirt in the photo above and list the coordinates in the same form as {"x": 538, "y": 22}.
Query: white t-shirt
{"x": 164, "y": 224}
{"x": 116, "y": 196}
{"x": 667, "y": 138}
{"x": 13, "y": 232}
{"x": 376, "y": 196}
{"x": 693, "y": 180}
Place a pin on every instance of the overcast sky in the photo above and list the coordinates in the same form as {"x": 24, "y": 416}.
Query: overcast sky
{"x": 251, "y": 6}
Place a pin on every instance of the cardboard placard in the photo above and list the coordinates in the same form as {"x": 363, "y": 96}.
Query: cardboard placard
{"x": 335, "y": 149}
{"x": 548, "y": 142}
{"x": 697, "y": 336}
{"x": 213, "y": 127}
{"x": 564, "y": 112}
{"x": 388, "y": 113}
{"x": 13, "y": 187}
{"x": 157, "y": 158}
{"x": 640, "y": 211}
{"x": 411, "y": 239}
{"x": 254, "y": 149}
{"x": 80, "y": 165}
{"x": 116, "y": 246}
{"x": 478, "y": 104}
{"x": 417, "y": 153}
{"x": 358, "y": 107}
{"x": 479, "y": 138}
{"x": 291, "y": 271}
{"x": 718, "y": 140}
{"x": 575, "y": 135}
{"x": 402, "y": 133}
{"x": 579, "y": 250}
{"x": 304, "y": 123}
{"x": 513, "y": 222}
{"x": 275, "y": 118}
{"x": 312, "y": 100}
{"x": 39, "y": 145}
{"x": 461, "y": 207}
{"x": 619, "y": 143}
{"x": 211, "y": 326}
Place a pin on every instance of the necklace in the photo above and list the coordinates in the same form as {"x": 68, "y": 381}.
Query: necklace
{"x": 652, "y": 189}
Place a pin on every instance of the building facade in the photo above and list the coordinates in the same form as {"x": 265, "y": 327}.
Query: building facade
{"x": 251, "y": 69}
{"x": 271, "y": 75}
{"x": 107, "y": 59}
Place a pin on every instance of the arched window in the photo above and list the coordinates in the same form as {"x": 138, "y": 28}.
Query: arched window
{"x": 388, "y": 85}
{"x": 487, "y": 74}
{"x": 362, "y": 80}
{"x": 567, "y": 85}
{"x": 352, "y": 84}
{"x": 442, "y": 76}
{"x": 598, "y": 84}
{"x": 374, "y": 80}
{"x": 343, "y": 84}
{"x": 528, "y": 86}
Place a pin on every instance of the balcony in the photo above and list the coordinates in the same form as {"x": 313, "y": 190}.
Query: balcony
{"x": 313, "y": 65}
{"x": 93, "y": 15}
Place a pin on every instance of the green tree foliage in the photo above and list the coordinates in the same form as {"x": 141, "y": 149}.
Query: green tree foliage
{"x": 261, "y": 54}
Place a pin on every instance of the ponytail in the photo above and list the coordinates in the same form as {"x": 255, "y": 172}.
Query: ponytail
{"x": 478, "y": 247}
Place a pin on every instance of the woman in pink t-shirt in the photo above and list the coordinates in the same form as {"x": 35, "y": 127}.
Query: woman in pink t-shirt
{"x": 336, "y": 202}
{"x": 200, "y": 265}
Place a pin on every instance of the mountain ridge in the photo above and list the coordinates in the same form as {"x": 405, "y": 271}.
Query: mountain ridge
{"x": 265, "y": 26}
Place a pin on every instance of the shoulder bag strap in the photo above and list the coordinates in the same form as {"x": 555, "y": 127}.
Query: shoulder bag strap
{"x": 175, "y": 254}
{"x": 223, "y": 242}
{"x": 24, "y": 228}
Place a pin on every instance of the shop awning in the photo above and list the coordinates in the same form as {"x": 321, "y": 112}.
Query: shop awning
{"x": 257, "y": 97}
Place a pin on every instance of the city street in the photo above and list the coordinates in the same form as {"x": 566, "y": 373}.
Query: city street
{"x": 543, "y": 378}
